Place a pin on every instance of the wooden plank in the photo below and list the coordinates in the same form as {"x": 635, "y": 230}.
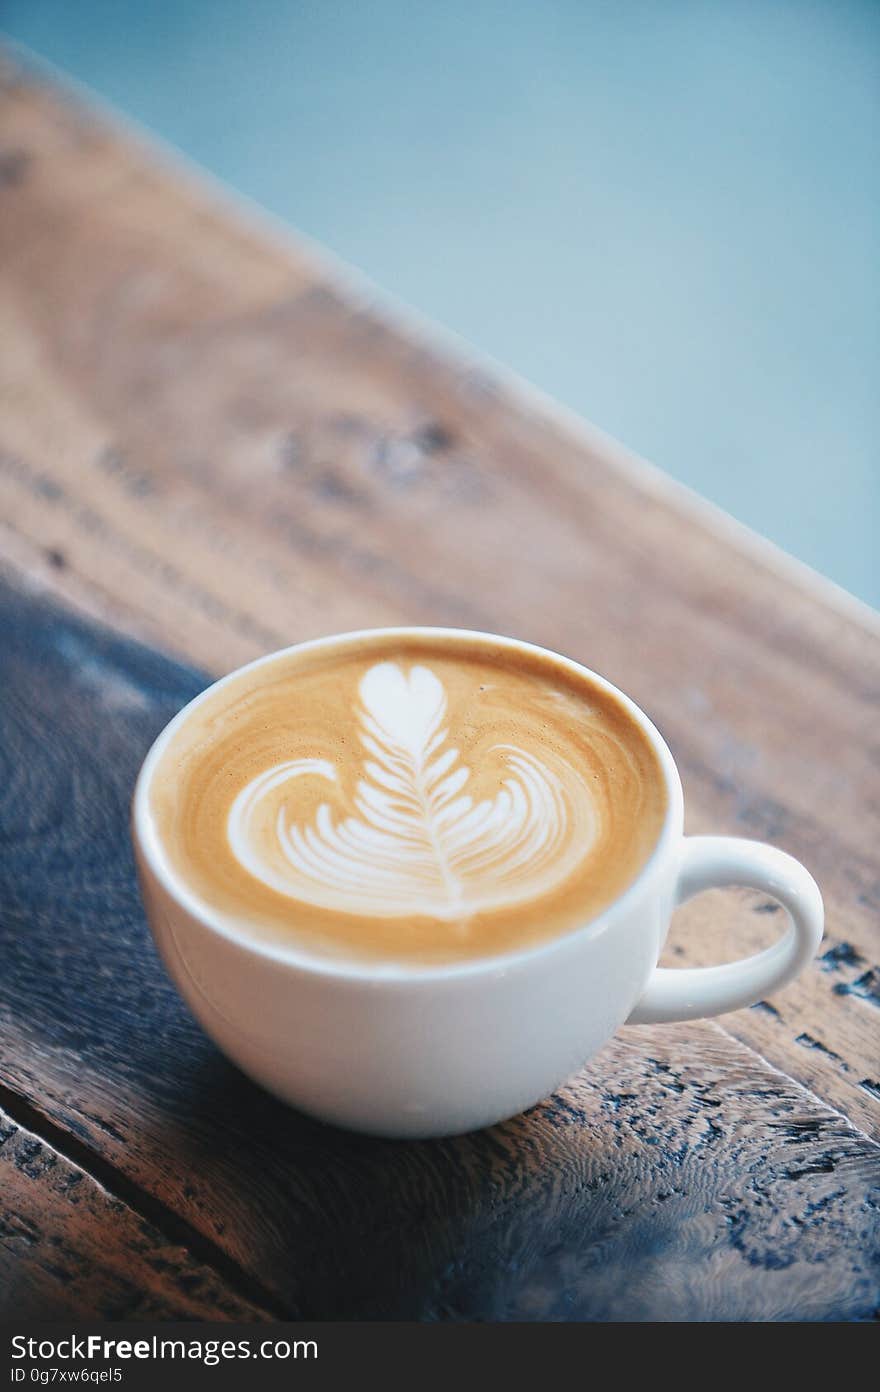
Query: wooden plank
{"x": 209, "y": 441}
{"x": 71, "y": 1250}
{"x": 678, "y": 1177}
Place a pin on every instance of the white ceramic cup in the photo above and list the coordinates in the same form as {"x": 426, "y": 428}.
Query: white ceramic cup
{"x": 440, "y": 1050}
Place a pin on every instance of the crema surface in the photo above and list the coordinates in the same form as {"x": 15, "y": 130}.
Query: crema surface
{"x": 418, "y": 800}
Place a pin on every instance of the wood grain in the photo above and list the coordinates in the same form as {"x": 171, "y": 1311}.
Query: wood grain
{"x": 678, "y": 1177}
{"x": 210, "y": 440}
{"x": 70, "y": 1250}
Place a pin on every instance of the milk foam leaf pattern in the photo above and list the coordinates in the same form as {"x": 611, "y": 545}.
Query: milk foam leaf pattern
{"x": 416, "y": 841}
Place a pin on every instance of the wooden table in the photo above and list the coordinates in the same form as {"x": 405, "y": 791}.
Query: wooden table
{"x": 212, "y": 445}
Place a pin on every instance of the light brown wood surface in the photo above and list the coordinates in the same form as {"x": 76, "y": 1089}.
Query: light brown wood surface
{"x": 216, "y": 444}
{"x": 69, "y": 1247}
{"x": 215, "y": 447}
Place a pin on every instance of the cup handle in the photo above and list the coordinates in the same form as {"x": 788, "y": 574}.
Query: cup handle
{"x": 715, "y": 862}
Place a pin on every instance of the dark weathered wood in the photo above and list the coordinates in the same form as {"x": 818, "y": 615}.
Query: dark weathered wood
{"x": 70, "y": 1250}
{"x": 207, "y": 441}
{"x": 678, "y": 1177}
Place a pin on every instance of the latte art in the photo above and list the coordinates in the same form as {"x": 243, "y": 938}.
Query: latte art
{"x": 417, "y": 843}
{"x": 415, "y": 799}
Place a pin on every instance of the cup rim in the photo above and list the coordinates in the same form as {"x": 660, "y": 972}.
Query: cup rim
{"x": 149, "y": 846}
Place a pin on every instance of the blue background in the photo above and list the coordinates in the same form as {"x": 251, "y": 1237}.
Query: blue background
{"x": 666, "y": 214}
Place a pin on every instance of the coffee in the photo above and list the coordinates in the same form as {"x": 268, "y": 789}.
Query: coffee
{"x": 414, "y": 800}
